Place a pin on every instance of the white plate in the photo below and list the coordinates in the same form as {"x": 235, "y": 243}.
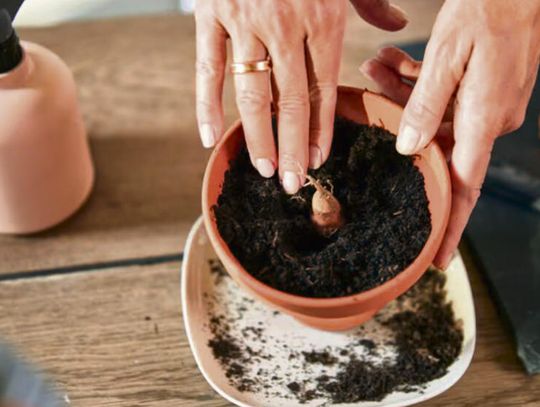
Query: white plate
{"x": 200, "y": 294}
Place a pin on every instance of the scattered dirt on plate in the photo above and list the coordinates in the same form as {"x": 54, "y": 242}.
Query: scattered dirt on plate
{"x": 409, "y": 343}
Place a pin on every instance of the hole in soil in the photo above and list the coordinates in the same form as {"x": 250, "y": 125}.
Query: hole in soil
{"x": 310, "y": 242}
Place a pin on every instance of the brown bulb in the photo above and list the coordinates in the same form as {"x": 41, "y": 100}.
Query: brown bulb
{"x": 326, "y": 210}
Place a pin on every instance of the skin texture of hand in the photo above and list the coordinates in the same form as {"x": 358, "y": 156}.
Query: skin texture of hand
{"x": 479, "y": 70}
{"x": 304, "y": 40}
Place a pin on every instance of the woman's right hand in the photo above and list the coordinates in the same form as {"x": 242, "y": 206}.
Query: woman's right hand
{"x": 304, "y": 40}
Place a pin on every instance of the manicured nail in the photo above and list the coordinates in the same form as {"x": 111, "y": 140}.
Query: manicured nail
{"x": 444, "y": 262}
{"x": 265, "y": 167}
{"x": 407, "y": 140}
{"x": 208, "y": 136}
{"x": 315, "y": 157}
{"x": 364, "y": 69}
{"x": 399, "y": 14}
{"x": 291, "y": 182}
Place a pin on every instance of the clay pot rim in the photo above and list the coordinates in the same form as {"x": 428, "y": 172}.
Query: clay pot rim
{"x": 223, "y": 251}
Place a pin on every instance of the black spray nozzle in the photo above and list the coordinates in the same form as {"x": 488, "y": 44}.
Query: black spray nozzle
{"x": 6, "y": 29}
{"x": 12, "y": 7}
{"x": 10, "y": 50}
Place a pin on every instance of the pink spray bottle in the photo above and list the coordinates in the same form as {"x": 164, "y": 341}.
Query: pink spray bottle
{"x": 46, "y": 171}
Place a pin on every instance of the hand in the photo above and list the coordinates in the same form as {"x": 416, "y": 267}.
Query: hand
{"x": 486, "y": 53}
{"x": 395, "y": 73}
{"x": 304, "y": 40}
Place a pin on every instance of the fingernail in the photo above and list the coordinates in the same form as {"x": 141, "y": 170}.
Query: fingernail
{"x": 265, "y": 167}
{"x": 364, "y": 69}
{"x": 399, "y": 13}
{"x": 315, "y": 157}
{"x": 291, "y": 182}
{"x": 382, "y": 53}
{"x": 407, "y": 140}
{"x": 444, "y": 262}
{"x": 208, "y": 136}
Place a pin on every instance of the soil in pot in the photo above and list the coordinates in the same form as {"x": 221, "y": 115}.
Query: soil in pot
{"x": 383, "y": 203}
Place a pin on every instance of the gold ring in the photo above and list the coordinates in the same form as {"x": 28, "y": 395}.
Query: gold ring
{"x": 251, "y": 66}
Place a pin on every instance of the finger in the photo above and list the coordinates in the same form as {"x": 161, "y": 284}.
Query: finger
{"x": 292, "y": 110}
{"x": 210, "y": 73}
{"x": 323, "y": 62}
{"x": 381, "y": 14}
{"x": 400, "y": 61}
{"x": 253, "y": 101}
{"x": 391, "y": 83}
{"x": 469, "y": 162}
{"x": 388, "y": 80}
{"x": 475, "y": 127}
{"x": 392, "y": 86}
{"x": 441, "y": 71}
{"x": 445, "y": 139}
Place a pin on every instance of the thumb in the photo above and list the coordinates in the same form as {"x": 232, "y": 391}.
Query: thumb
{"x": 381, "y": 14}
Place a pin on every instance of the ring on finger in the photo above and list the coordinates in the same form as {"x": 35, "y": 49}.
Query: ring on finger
{"x": 251, "y": 66}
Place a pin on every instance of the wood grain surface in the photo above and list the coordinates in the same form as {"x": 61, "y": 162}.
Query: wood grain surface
{"x": 115, "y": 338}
{"x": 136, "y": 85}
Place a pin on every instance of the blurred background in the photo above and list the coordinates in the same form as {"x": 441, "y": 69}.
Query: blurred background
{"x": 48, "y": 12}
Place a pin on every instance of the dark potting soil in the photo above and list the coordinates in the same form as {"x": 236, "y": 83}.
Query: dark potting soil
{"x": 424, "y": 344}
{"x": 427, "y": 341}
{"x": 387, "y": 220}
{"x": 324, "y": 358}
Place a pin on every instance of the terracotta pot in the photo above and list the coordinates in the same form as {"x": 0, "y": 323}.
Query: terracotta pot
{"x": 342, "y": 312}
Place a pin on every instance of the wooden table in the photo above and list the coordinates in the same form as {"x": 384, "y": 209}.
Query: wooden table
{"x": 96, "y": 301}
